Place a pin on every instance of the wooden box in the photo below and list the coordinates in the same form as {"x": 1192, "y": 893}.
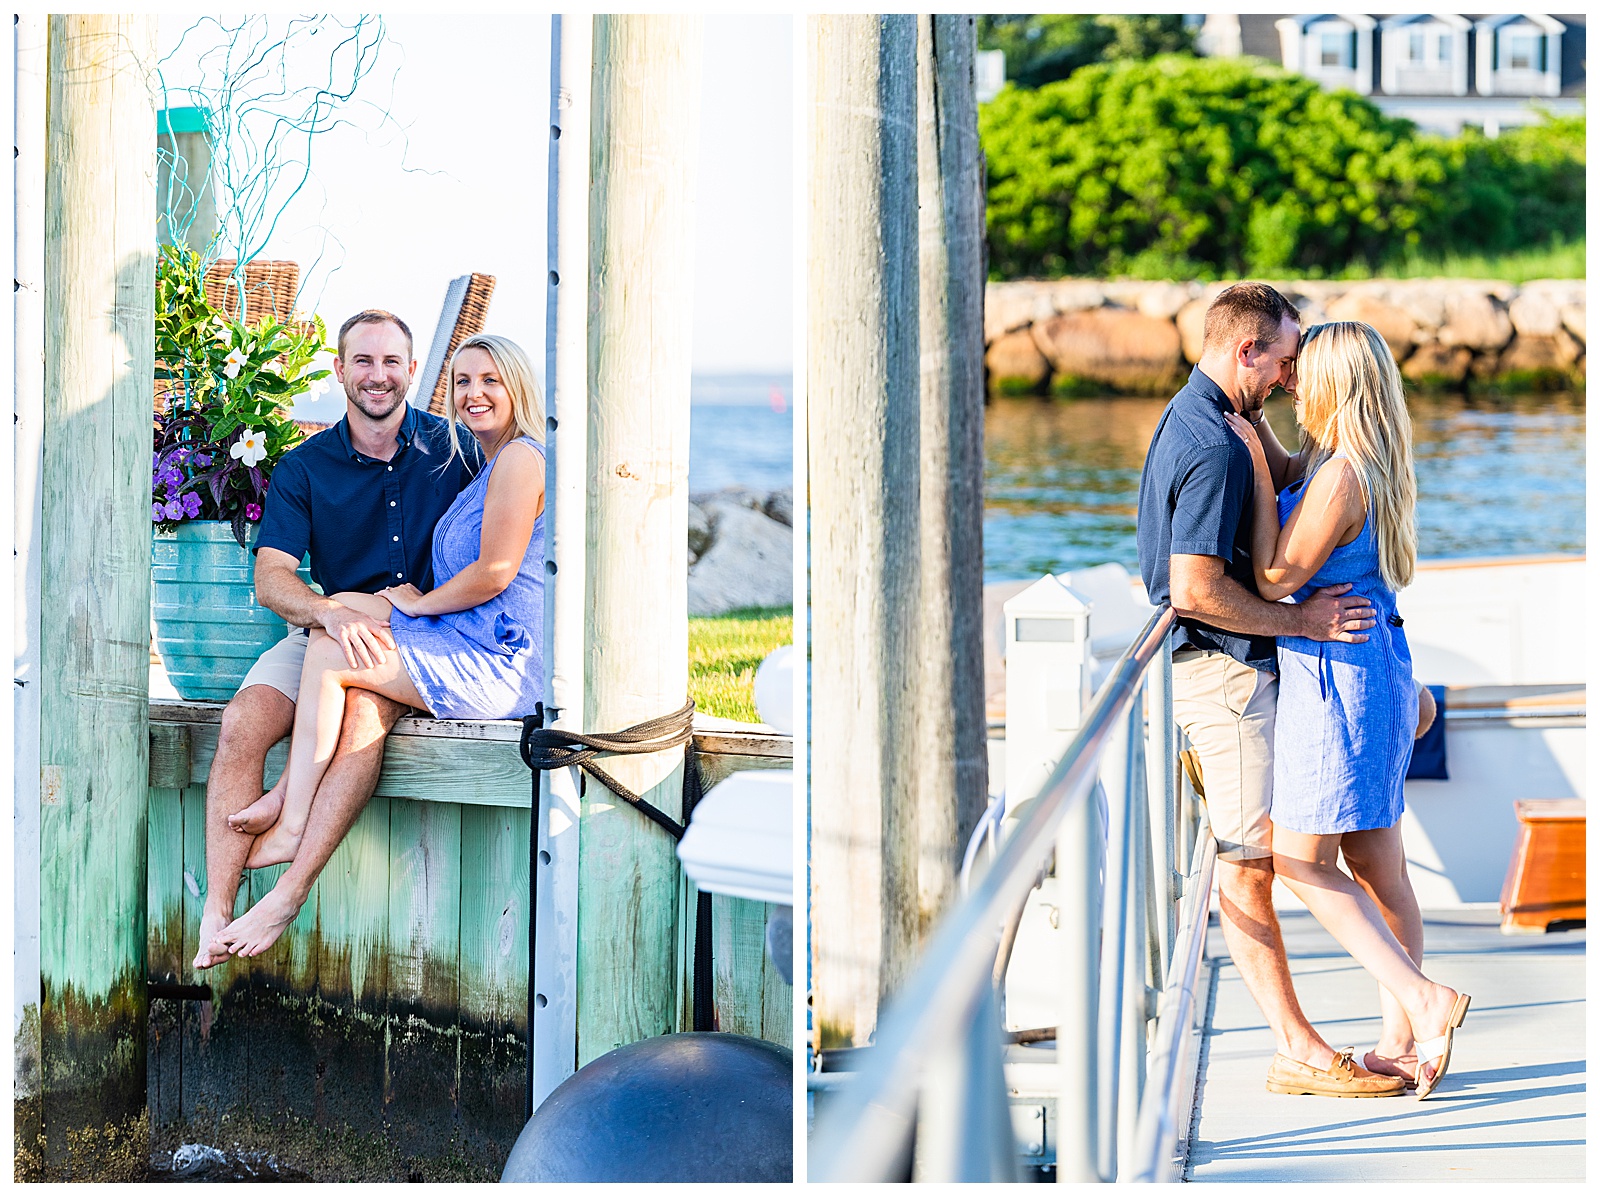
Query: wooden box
{"x": 1546, "y": 881}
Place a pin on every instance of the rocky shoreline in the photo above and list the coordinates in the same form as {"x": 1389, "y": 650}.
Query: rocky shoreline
{"x": 741, "y": 550}
{"x": 1075, "y": 337}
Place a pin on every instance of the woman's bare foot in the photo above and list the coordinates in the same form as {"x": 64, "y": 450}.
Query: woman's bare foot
{"x": 1434, "y": 1016}
{"x": 1403, "y": 1065}
{"x": 211, "y": 952}
{"x": 261, "y": 926}
{"x": 258, "y": 816}
{"x": 277, "y": 845}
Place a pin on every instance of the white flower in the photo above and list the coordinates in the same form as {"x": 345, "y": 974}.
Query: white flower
{"x": 236, "y": 359}
{"x": 251, "y": 447}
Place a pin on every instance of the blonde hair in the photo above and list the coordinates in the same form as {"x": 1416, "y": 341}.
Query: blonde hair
{"x": 1352, "y": 401}
{"x": 516, "y": 373}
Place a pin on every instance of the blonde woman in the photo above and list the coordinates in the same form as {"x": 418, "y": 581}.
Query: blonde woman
{"x": 472, "y": 647}
{"x": 1347, "y": 712}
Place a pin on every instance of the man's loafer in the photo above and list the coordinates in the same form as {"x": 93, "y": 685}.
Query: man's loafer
{"x": 1341, "y": 1079}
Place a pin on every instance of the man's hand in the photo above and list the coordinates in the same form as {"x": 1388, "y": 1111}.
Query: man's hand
{"x": 365, "y": 639}
{"x": 1329, "y": 615}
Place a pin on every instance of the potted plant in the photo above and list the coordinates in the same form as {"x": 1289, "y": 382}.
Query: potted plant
{"x": 223, "y": 393}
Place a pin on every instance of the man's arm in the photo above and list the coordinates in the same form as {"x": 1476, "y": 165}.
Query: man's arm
{"x": 364, "y": 639}
{"x": 1202, "y": 591}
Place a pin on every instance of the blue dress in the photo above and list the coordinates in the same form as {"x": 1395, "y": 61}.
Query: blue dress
{"x": 488, "y": 661}
{"x": 1347, "y": 712}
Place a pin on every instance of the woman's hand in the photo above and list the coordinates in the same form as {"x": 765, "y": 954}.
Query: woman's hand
{"x": 1251, "y": 439}
{"x": 404, "y": 597}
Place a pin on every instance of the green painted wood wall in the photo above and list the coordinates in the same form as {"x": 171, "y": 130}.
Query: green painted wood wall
{"x": 396, "y": 1003}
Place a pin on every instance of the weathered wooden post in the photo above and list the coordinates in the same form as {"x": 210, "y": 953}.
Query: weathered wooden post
{"x": 645, "y": 106}
{"x": 95, "y": 567}
{"x": 952, "y": 783}
{"x": 28, "y": 414}
{"x": 862, "y": 417}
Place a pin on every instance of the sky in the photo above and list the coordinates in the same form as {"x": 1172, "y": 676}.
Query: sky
{"x": 455, "y": 182}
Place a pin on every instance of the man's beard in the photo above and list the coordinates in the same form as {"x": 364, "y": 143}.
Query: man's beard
{"x": 365, "y": 404}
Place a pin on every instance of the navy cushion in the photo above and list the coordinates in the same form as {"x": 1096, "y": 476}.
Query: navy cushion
{"x": 1428, "y": 755}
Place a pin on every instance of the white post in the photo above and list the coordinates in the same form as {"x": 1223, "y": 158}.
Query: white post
{"x": 555, "y": 968}
{"x": 28, "y": 311}
{"x": 1047, "y": 681}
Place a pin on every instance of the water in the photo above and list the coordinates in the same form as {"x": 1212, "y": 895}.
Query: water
{"x": 1494, "y": 477}
{"x": 741, "y": 431}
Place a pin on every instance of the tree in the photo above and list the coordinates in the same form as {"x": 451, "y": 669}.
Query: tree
{"x": 1043, "y": 48}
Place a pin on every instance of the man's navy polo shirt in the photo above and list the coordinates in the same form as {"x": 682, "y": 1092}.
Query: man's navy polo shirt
{"x": 368, "y": 524}
{"x": 1196, "y": 498}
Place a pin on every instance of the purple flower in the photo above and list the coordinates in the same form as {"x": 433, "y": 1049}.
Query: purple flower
{"x": 173, "y": 510}
{"x": 252, "y": 511}
{"x": 191, "y": 504}
{"x": 201, "y": 459}
{"x": 172, "y": 477}
{"x": 156, "y": 512}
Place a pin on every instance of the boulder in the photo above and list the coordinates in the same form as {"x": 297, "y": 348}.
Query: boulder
{"x": 1116, "y": 347}
{"x": 1163, "y": 301}
{"x": 1013, "y": 305}
{"x": 750, "y": 562}
{"x": 1435, "y": 364}
{"x": 1073, "y": 296}
{"x": 1370, "y": 304}
{"x": 1475, "y": 318}
{"x": 1574, "y": 321}
{"x": 1015, "y": 364}
{"x": 1535, "y": 313}
{"x": 1540, "y": 356}
{"x": 701, "y": 534}
{"x": 1423, "y": 301}
{"x": 780, "y": 506}
{"x": 1191, "y": 325}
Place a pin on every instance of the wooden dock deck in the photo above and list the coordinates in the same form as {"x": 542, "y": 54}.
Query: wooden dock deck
{"x": 1512, "y": 1107}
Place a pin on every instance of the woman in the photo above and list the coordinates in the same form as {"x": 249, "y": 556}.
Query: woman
{"x": 1347, "y": 712}
{"x": 470, "y": 648}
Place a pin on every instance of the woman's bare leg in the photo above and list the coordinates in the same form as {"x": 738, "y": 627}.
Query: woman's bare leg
{"x": 318, "y": 718}
{"x": 1377, "y": 860}
{"x": 1308, "y": 864}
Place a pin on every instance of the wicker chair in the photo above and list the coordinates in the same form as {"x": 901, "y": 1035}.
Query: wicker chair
{"x": 470, "y": 319}
{"x": 269, "y": 285}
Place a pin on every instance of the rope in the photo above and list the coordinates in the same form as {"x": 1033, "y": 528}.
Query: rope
{"x": 546, "y": 750}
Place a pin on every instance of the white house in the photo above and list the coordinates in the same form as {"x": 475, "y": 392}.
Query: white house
{"x": 1442, "y": 71}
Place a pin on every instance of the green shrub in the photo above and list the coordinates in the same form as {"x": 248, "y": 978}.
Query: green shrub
{"x": 1204, "y": 168}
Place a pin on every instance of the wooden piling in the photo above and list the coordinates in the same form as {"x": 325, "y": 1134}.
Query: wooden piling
{"x": 862, "y": 418}
{"x": 953, "y": 772}
{"x": 95, "y": 536}
{"x": 643, "y": 147}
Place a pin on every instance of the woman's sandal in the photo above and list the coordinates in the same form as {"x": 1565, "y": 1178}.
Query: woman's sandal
{"x": 1429, "y": 1049}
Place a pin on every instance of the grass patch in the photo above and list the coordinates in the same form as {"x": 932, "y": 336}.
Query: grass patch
{"x": 724, "y": 652}
{"x": 1556, "y": 260}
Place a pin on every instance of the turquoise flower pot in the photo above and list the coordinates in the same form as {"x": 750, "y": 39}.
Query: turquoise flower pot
{"x": 209, "y": 627}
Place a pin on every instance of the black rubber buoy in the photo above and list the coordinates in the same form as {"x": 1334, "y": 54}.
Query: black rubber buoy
{"x": 679, "y": 1107}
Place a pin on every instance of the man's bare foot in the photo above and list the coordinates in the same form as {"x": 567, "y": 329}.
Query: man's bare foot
{"x": 211, "y": 952}
{"x": 258, "y": 816}
{"x": 261, "y": 926}
{"x": 277, "y": 845}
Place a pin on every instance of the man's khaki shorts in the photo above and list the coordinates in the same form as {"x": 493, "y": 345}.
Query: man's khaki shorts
{"x": 1227, "y": 710}
{"x": 280, "y": 666}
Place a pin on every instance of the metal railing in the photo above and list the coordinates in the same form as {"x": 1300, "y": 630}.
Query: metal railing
{"x": 929, "y": 1099}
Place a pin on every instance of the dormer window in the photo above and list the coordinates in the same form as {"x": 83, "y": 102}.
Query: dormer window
{"x": 1519, "y": 54}
{"x": 1424, "y": 55}
{"x": 1335, "y": 50}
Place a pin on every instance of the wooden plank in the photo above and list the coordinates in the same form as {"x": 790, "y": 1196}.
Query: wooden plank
{"x": 352, "y": 974}
{"x": 777, "y": 1001}
{"x": 475, "y": 763}
{"x": 421, "y": 1100}
{"x": 164, "y": 961}
{"x": 493, "y": 977}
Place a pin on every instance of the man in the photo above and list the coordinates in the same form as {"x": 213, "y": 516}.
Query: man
{"x": 1195, "y": 519}
{"x": 363, "y": 498}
